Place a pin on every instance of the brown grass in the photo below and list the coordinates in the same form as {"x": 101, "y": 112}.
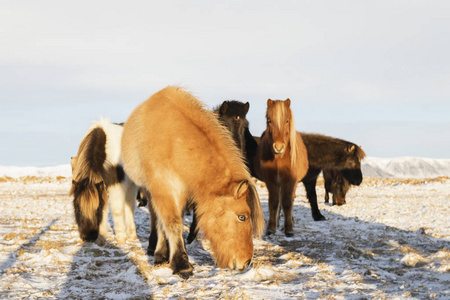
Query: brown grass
{"x": 372, "y": 181}
{"x": 35, "y": 179}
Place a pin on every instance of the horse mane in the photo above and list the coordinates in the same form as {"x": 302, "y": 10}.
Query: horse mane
{"x": 360, "y": 153}
{"x": 208, "y": 122}
{"x": 293, "y": 139}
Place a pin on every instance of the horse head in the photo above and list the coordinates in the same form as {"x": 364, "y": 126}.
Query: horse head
{"x": 232, "y": 114}
{"x": 280, "y": 125}
{"x": 339, "y": 188}
{"x": 352, "y": 171}
{"x": 229, "y": 224}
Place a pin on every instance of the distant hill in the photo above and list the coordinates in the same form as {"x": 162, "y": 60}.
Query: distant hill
{"x": 400, "y": 167}
{"x": 405, "y": 167}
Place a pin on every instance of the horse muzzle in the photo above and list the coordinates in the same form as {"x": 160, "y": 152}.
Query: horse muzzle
{"x": 241, "y": 267}
{"x": 278, "y": 148}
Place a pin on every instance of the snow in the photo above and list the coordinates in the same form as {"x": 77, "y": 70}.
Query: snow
{"x": 400, "y": 167}
{"x": 405, "y": 167}
{"x": 390, "y": 241}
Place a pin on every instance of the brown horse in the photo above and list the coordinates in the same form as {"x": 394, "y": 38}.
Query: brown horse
{"x": 178, "y": 150}
{"x": 325, "y": 152}
{"x": 335, "y": 184}
{"x": 281, "y": 162}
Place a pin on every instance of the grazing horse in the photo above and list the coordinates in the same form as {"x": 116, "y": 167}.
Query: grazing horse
{"x": 335, "y": 184}
{"x": 177, "y": 150}
{"x": 232, "y": 114}
{"x": 325, "y": 152}
{"x": 281, "y": 162}
{"x": 98, "y": 173}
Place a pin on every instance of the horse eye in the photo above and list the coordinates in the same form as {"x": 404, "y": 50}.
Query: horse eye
{"x": 269, "y": 121}
{"x": 237, "y": 117}
{"x": 287, "y": 121}
{"x": 242, "y": 218}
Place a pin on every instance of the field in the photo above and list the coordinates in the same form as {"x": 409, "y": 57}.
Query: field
{"x": 391, "y": 240}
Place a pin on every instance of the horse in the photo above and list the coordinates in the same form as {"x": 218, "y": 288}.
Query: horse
{"x": 178, "y": 151}
{"x": 98, "y": 174}
{"x": 232, "y": 114}
{"x": 281, "y": 161}
{"x": 325, "y": 152}
{"x": 335, "y": 184}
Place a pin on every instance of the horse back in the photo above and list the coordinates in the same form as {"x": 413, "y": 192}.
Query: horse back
{"x": 172, "y": 134}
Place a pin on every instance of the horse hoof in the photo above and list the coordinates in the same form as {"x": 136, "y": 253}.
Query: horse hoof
{"x": 183, "y": 268}
{"x": 289, "y": 234}
{"x": 185, "y": 274}
{"x": 160, "y": 259}
{"x": 319, "y": 218}
{"x": 270, "y": 232}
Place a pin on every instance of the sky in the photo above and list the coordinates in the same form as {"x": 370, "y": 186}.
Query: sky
{"x": 376, "y": 73}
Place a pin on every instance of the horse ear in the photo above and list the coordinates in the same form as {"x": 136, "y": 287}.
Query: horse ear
{"x": 288, "y": 102}
{"x": 269, "y": 102}
{"x": 241, "y": 189}
{"x": 223, "y": 108}
{"x": 246, "y": 107}
{"x": 351, "y": 149}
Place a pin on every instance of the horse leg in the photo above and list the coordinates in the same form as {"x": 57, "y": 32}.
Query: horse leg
{"x": 117, "y": 196}
{"x": 287, "y": 200}
{"x": 161, "y": 248}
{"x": 310, "y": 185}
{"x": 153, "y": 238}
{"x": 130, "y": 205}
{"x": 274, "y": 208}
{"x": 104, "y": 227}
{"x": 193, "y": 230}
{"x": 171, "y": 222}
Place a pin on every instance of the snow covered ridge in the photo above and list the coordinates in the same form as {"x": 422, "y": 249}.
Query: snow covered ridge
{"x": 55, "y": 171}
{"x": 400, "y": 167}
{"x": 405, "y": 167}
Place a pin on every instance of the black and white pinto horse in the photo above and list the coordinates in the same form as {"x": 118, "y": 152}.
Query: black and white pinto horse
{"x": 98, "y": 175}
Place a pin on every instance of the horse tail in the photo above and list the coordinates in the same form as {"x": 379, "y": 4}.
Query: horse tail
{"x": 88, "y": 187}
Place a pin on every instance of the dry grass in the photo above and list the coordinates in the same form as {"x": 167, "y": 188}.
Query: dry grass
{"x": 372, "y": 181}
{"x": 35, "y": 179}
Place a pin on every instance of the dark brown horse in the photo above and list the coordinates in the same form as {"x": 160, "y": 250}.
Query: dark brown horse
{"x": 335, "y": 184}
{"x": 325, "y": 152}
{"x": 281, "y": 162}
{"x": 179, "y": 151}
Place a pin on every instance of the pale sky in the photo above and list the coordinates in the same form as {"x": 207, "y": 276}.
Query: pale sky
{"x": 376, "y": 73}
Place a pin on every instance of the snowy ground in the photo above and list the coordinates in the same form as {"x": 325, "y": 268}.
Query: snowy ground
{"x": 391, "y": 240}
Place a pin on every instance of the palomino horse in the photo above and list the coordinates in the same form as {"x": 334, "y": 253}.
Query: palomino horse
{"x": 281, "y": 162}
{"x": 232, "y": 114}
{"x": 178, "y": 150}
{"x": 98, "y": 173}
{"x": 325, "y": 152}
{"x": 335, "y": 184}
